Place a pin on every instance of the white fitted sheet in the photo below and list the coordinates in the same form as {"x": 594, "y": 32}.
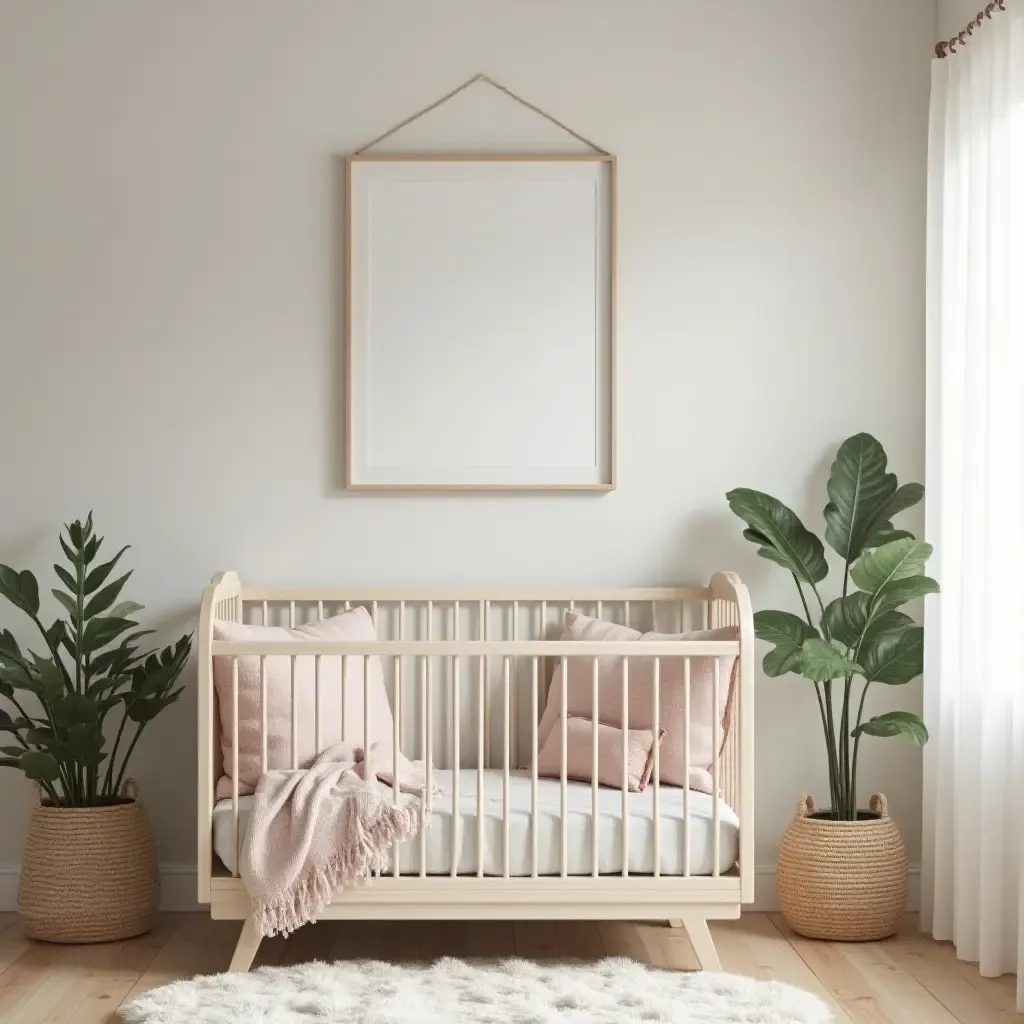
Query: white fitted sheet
{"x": 439, "y": 837}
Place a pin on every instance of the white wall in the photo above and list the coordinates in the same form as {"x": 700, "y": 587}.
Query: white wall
{"x": 169, "y": 299}
{"x": 953, "y": 15}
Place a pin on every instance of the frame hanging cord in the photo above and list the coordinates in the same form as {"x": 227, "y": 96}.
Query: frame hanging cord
{"x": 465, "y": 85}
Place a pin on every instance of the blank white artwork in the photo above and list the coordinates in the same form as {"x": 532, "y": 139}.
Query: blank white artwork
{"x": 480, "y": 323}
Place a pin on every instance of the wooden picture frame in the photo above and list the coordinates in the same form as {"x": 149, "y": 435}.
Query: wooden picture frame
{"x": 480, "y": 322}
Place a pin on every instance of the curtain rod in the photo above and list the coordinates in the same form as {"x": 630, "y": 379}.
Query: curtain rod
{"x": 948, "y": 46}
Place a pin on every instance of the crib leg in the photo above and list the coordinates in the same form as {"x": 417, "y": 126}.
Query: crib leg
{"x": 697, "y": 932}
{"x": 675, "y": 923}
{"x": 245, "y": 950}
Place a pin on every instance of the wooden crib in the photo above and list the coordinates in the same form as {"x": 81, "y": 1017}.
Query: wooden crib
{"x": 466, "y": 672}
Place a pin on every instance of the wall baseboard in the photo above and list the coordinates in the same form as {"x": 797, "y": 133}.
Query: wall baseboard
{"x": 178, "y": 888}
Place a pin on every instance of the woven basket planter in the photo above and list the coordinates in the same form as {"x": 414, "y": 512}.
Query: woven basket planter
{"x": 89, "y": 874}
{"x": 843, "y": 880}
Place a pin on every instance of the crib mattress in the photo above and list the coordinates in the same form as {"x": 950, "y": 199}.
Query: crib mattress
{"x": 440, "y": 831}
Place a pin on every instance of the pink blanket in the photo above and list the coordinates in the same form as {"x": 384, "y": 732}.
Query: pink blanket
{"x": 323, "y": 828}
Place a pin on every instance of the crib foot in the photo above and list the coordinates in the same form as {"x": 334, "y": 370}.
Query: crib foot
{"x": 700, "y": 939}
{"x": 245, "y": 950}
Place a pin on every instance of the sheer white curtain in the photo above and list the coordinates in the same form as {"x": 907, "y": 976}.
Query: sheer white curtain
{"x": 973, "y": 857}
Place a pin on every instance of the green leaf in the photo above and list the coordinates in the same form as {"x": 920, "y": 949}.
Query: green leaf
{"x": 895, "y": 561}
{"x": 783, "y": 539}
{"x": 85, "y": 744}
{"x": 858, "y": 489}
{"x": 787, "y": 632}
{"x": 98, "y": 575}
{"x": 125, "y": 610}
{"x": 881, "y": 530}
{"x": 56, "y": 634}
{"x": 99, "y": 632}
{"x": 846, "y": 617}
{"x": 40, "y": 766}
{"x": 102, "y": 600}
{"x": 898, "y": 592}
{"x": 50, "y": 678}
{"x": 90, "y": 549}
{"x": 71, "y": 556}
{"x": 893, "y": 658}
{"x": 9, "y": 762}
{"x": 20, "y": 588}
{"x": 75, "y": 533}
{"x": 69, "y": 603}
{"x": 73, "y": 709}
{"x": 894, "y": 723}
{"x": 8, "y": 645}
{"x": 66, "y": 578}
{"x": 821, "y": 661}
{"x": 12, "y": 751}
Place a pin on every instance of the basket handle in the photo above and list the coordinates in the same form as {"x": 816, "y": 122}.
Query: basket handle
{"x": 804, "y": 805}
{"x": 879, "y": 805}
{"x": 130, "y": 790}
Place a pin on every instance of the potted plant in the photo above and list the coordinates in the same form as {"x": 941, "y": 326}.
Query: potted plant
{"x": 89, "y": 871}
{"x": 842, "y": 871}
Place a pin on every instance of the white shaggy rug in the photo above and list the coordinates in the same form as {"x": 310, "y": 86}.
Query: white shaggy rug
{"x": 613, "y": 991}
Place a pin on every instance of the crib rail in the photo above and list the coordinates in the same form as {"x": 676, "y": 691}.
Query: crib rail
{"x": 466, "y": 674}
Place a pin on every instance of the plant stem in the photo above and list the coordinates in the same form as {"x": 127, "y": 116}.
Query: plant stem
{"x": 831, "y": 739}
{"x": 856, "y": 742}
{"x": 824, "y": 628}
{"x": 803, "y": 601}
{"x": 113, "y": 755}
{"x": 849, "y": 813}
{"x": 79, "y": 685}
{"x": 828, "y": 745}
{"x": 54, "y": 650}
{"x": 124, "y": 763}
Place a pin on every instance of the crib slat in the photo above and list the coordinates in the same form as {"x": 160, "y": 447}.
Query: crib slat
{"x": 565, "y": 790}
{"x": 626, "y": 610}
{"x": 686, "y": 767}
{"x": 533, "y": 767}
{"x": 656, "y": 728}
{"x": 487, "y": 693}
{"x": 295, "y": 720}
{"x": 367, "y": 755}
{"x": 265, "y": 614}
{"x": 317, "y": 739}
{"x": 594, "y": 806}
{"x": 344, "y": 673}
{"x": 291, "y": 614}
{"x": 456, "y": 765}
{"x": 263, "y": 714}
{"x": 425, "y": 746}
{"x": 396, "y": 718}
{"x": 373, "y": 613}
{"x": 234, "y": 765}
{"x": 625, "y": 767}
{"x": 514, "y": 721}
{"x": 319, "y": 611}
{"x": 600, "y": 609}
{"x": 480, "y": 766}
{"x": 401, "y": 636}
{"x": 716, "y": 732}
{"x": 505, "y": 763}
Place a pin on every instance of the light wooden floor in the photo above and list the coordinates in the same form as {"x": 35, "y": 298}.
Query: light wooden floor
{"x": 905, "y": 980}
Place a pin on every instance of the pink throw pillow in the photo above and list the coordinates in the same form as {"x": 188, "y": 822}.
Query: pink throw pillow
{"x": 579, "y": 758}
{"x": 672, "y": 759}
{"x": 352, "y": 626}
